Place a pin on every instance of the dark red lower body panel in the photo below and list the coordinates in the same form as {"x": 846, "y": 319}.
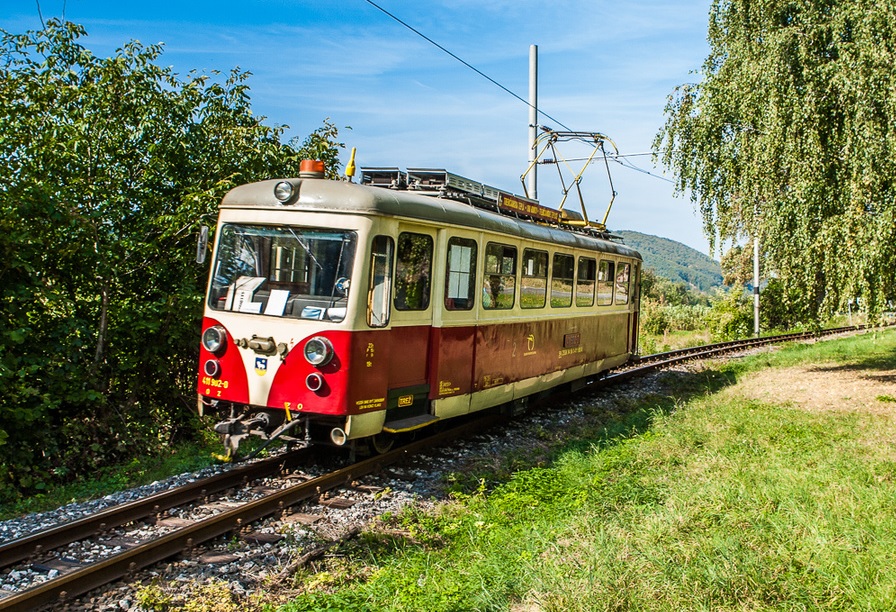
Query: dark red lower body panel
{"x": 450, "y": 361}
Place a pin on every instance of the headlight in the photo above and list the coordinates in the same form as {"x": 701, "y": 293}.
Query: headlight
{"x": 318, "y": 351}
{"x": 214, "y": 339}
{"x": 283, "y": 191}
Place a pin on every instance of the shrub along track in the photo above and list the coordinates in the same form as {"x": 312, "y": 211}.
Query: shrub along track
{"x": 233, "y": 519}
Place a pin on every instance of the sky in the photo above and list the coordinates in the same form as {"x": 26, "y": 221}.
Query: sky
{"x": 603, "y": 66}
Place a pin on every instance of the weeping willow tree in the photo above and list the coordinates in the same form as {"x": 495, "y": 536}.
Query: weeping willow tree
{"x": 790, "y": 134}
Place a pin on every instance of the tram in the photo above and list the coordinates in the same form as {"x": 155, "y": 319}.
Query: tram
{"x": 341, "y": 311}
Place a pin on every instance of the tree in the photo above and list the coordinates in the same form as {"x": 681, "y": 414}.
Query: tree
{"x": 791, "y": 135}
{"x": 109, "y": 165}
{"x": 737, "y": 266}
{"x": 667, "y": 291}
{"x": 321, "y": 145}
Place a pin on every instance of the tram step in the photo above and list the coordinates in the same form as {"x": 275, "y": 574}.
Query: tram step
{"x": 410, "y": 423}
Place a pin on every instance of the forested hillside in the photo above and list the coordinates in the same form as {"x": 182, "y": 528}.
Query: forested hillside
{"x": 674, "y": 260}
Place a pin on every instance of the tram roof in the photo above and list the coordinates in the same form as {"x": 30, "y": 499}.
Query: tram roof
{"x": 324, "y": 195}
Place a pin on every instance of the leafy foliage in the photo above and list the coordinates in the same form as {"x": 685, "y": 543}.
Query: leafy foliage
{"x": 108, "y": 167}
{"x": 731, "y": 317}
{"x": 666, "y": 291}
{"x": 667, "y": 306}
{"x": 790, "y": 135}
{"x": 737, "y": 266}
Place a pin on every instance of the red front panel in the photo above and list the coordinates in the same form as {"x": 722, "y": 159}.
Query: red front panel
{"x": 290, "y": 391}
{"x": 232, "y": 385}
{"x": 355, "y": 381}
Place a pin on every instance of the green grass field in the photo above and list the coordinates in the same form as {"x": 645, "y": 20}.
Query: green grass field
{"x": 765, "y": 483}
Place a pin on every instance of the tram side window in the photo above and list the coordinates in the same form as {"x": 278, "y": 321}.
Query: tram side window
{"x": 499, "y": 283}
{"x": 585, "y": 282}
{"x": 460, "y": 278}
{"x": 413, "y": 271}
{"x": 622, "y": 282}
{"x": 534, "y": 282}
{"x": 605, "y": 278}
{"x": 561, "y": 280}
{"x": 636, "y": 283}
{"x": 380, "y": 288}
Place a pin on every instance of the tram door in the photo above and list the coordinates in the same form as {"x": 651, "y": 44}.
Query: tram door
{"x": 412, "y": 308}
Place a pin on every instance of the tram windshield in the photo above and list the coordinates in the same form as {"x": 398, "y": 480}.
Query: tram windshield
{"x": 283, "y": 271}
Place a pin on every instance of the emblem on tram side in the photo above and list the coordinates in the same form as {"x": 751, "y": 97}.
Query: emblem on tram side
{"x": 530, "y": 346}
{"x": 261, "y": 365}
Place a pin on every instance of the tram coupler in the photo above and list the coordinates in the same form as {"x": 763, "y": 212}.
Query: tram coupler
{"x": 281, "y": 432}
{"x": 241, "y": 425}
{"x": 237, "y": 428}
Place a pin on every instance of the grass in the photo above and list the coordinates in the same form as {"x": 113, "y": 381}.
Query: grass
{"x": 702, "y": 498}
{"x": 673, "y": 340}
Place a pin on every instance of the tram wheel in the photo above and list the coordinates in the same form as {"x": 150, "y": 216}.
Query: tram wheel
{"x": 382, "y": 442}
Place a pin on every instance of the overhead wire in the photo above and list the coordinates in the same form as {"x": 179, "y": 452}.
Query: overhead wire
{"x": 622, "y": 160}
{"x": 507, "y": 90}
{"x": 631, "y": 166}
{"x": 465, "y": 63}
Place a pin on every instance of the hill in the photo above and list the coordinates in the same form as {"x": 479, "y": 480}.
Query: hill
{"x": 674, "y": 260}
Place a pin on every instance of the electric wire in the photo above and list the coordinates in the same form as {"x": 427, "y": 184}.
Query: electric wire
{"x": 631, "y": 166}
{"x": 628, "y": 165}
{"x": 467, "y": 64}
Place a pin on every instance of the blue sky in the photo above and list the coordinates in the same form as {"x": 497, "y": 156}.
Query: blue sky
{"x": 604, "y": 66}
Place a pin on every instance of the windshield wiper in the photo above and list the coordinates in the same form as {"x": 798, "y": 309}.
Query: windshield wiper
{"x": 307, "y": 249}
{"x": 338, "y": 268}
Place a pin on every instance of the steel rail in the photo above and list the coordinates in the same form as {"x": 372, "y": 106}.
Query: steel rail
{"x": 46, "y": 540}
{"x": 126, "y": 563}
{"x": 748, "y": 342}
{"x": 657, "y": 361}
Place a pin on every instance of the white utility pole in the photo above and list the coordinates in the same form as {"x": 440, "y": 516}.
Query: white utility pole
{"x": 532, "y": 179}
{"x": 756, "y": 281}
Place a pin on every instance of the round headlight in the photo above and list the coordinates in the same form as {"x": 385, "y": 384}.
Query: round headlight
{"x": 318, "y": 351}
{"x": 214, "y": 339}
{"x": 283, "y": 191}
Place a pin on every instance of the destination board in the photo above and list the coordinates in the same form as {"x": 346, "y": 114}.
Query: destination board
{"x": 529, "y": 208}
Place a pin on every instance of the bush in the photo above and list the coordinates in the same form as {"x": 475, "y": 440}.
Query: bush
{"x": 658, "y": 319}
{"x": 109, "y": 166}
{"x": 731, "y": 316}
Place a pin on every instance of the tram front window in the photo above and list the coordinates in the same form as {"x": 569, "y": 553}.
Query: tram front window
{"x": 283, "y": 271}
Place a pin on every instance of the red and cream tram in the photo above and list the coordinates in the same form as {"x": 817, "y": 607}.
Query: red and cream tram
{"x": 339, "y": 311}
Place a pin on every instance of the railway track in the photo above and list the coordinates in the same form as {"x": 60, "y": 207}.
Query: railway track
{"x": 79, "y": 580}
{"x": 661, "y": 360}
{"x": 187, "y": 537}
